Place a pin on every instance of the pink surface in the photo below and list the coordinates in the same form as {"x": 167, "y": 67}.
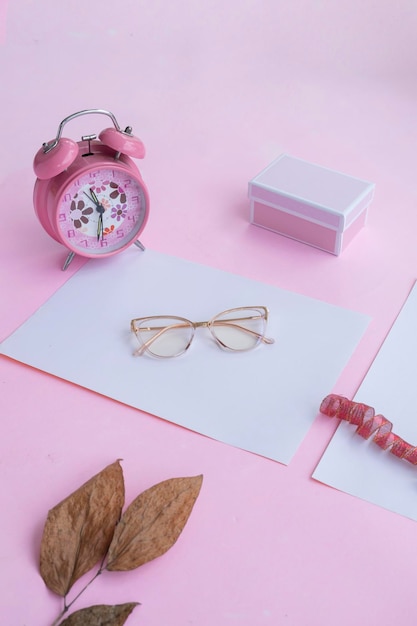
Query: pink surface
{"x": 216, "y": 91}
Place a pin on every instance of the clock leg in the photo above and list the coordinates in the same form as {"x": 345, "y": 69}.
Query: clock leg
{"x": 139, "y": 245}
{"x": 68, "y": 260}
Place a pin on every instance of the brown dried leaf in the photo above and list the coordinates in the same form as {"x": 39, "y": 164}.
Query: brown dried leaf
{"x": 152, "y": 523}
{"x": 101, "y": 615}
{"x": 78, "y": 530}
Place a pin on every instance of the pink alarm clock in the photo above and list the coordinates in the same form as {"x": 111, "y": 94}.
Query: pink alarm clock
{"x": 89, "y": 195}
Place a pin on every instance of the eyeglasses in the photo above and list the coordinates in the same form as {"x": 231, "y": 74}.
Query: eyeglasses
{"x": 168, "y": 336}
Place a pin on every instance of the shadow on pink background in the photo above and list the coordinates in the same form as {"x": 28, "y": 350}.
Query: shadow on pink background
{"x": 216, "y": 91}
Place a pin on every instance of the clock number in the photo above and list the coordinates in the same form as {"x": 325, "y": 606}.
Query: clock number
{"x": 67, "y": 197}
{"x": 120, "y": 233}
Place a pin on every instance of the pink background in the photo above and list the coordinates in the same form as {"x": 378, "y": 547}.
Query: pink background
{"x": 216, "y": 90}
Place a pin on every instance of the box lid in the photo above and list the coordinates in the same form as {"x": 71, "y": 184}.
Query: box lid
{"x": 317, "y": 192}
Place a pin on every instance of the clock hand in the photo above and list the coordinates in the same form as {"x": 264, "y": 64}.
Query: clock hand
{"x": 95, "y": 200}
{"x": 94, "y": 197}
{"x": 100, "y": 208}
{"x": 100, "y": 226}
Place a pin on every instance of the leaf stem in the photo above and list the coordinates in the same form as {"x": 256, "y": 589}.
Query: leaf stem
{"x": 68, "y": 606}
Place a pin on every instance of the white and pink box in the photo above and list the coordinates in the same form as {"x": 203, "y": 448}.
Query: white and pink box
{"x": 309, "y": 203}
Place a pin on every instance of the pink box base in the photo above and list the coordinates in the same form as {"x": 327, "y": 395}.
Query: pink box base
{"x": 296, "y": 227}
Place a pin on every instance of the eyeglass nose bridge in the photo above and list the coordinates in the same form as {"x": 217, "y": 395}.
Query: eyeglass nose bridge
{"x": 200, "y": 324}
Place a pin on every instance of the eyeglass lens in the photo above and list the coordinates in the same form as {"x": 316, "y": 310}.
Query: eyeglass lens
{"x": 239, "y": 329}
{"x": 165, "y": 336}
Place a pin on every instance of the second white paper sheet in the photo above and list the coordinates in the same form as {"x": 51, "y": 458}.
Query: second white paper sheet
{"x": 359, "y": 467}
{"x": 263, "y": 401}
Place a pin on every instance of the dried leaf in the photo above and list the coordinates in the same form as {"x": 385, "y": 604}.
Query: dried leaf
{"x": 152, "y": 523}
{"x": 78, "y": 530}
{"x": 101, "y": 615}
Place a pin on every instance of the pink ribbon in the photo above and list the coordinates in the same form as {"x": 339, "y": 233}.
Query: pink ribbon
{"x": 369, "y": 425}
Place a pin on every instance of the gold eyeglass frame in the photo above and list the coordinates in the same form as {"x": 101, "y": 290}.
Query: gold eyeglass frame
{"x": 210, "y": 324}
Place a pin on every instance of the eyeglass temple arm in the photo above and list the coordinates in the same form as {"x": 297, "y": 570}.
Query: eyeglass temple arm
{"x": 150, "y": 341}
{"x": 268, "y": 340}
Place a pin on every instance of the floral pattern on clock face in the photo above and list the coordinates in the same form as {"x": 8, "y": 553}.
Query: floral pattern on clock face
{"x": 102, "y": 211}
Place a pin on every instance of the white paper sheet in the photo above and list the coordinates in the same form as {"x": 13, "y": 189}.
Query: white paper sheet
{"x": 359, "y": 467}
{"x": 263, "y": 401}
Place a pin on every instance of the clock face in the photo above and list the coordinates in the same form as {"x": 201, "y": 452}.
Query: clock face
{"x": 102, "y": 211}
